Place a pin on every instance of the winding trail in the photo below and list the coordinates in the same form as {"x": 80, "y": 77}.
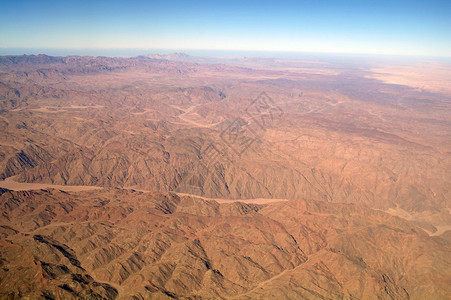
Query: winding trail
{"x": 10, "y": 184}
{"x": 189, "y": 110}
{"x": 248, "y": 201}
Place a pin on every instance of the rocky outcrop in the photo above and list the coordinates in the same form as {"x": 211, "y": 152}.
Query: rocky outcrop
{"x": 120, "y": 243}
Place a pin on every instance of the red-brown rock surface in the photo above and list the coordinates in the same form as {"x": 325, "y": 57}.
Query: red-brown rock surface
{"x": 119, "y": 243}
{"x": 344, "y": 143}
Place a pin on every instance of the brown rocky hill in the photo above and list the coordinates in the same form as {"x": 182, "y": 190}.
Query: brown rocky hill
{"x": 340, "y": 143}
{"x": 327, "y": 132}
{"x": 131, "y": 245}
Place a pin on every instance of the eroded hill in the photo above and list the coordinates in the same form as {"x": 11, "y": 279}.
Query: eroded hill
{"x": 329, "y": 133}
{"x": 127, "y": 244}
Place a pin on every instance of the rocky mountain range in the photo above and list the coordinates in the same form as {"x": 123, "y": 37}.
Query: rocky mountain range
{"x": 242, "y": 179}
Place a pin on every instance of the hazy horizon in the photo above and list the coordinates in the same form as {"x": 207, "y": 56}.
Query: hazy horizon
{"x": 225, "y": 54}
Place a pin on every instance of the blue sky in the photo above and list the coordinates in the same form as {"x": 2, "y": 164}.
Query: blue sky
{"x": 380, "y": 27}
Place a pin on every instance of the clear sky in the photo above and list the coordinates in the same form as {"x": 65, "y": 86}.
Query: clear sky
{"x": 380, "y": 27}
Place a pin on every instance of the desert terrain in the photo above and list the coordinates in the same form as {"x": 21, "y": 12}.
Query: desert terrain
{"x": 182, "y": 177}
